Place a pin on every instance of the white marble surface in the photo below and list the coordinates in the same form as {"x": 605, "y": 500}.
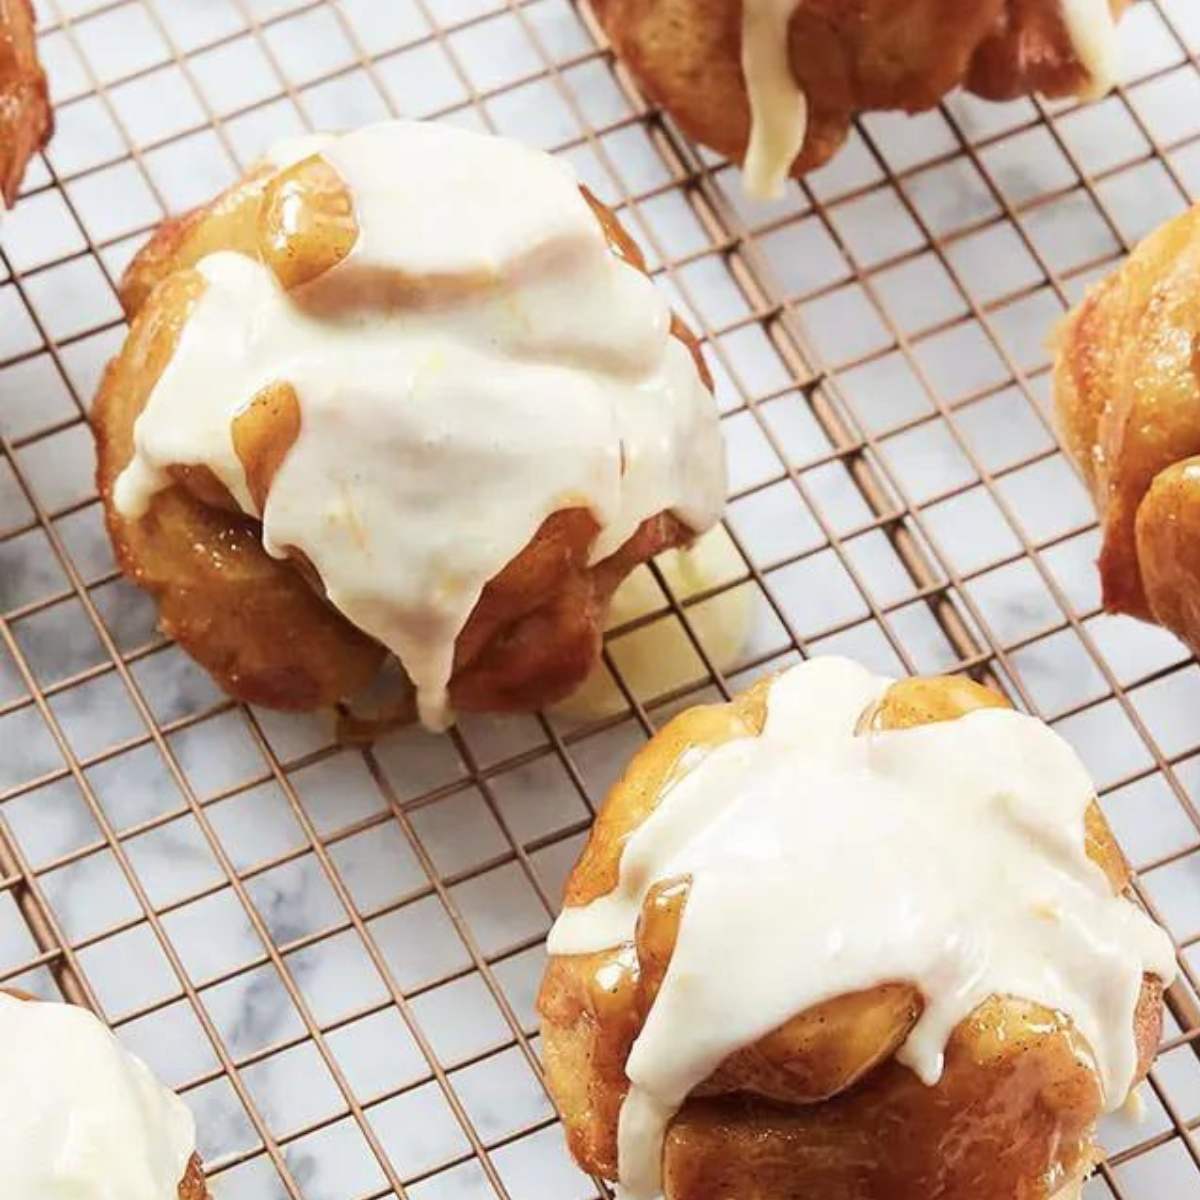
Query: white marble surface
{"x": 320, "y": 849}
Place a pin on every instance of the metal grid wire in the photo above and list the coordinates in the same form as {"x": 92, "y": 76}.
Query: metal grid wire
{"x": 333, "y": 954}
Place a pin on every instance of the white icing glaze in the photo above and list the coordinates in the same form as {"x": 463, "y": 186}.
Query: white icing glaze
{"x": 479, "y": 361}
{"x": 950, "y": 856}
{"x": 778, "y": 106}
{"x": 1134, "y": 1108}
{"x": 80, "y": 1117}
{"x": 1093, "y": 34}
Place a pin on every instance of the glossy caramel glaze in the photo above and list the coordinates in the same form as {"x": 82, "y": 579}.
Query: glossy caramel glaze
{"x": 848, "y": 56}
{"x": 819, "y": 1107}
{"x": 1127, "y": 392}
{"x": 26, "y": 118}
{"x": 261, "y": 625}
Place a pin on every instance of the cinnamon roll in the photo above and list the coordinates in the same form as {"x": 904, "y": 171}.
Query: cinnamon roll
{"x": 847, "y": 937}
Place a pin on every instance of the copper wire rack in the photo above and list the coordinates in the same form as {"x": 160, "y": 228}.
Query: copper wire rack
{"x": 332, "y": 952}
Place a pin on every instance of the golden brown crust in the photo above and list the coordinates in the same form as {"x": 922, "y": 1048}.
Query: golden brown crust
{"x": 1007, "y": 1118}
{"x": 230, "y": 221}
{"x": 260, "y": 625}
{"x": 1168, "y": 548}
{"x": 1127, "y": 393}
{"x": 26, "y": 118}
{"x": 192, "y": 1185}
{"x": 819, "y": 1106}
{"x": 848, "y": 56}
{"x": 1029, "y": 51}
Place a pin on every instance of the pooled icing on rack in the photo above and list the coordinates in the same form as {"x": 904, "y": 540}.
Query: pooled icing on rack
{"x": 950, "y": 856}
{"x": 80, "y": 1117}
{"x": 526, "y": 370}
{"x": 779, "y": 107}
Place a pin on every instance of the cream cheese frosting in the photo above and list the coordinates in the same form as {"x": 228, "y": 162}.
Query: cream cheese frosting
{"x": 951, "y": 856}
{"x": 80, "y": 1117}
{"x": 779, "y": 106}
{"x": 480, "y": 360}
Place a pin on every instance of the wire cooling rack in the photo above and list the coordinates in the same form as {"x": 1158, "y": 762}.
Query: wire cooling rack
{"x": 333, "y": 954}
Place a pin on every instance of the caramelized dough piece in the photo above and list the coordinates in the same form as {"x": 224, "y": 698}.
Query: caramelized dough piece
{"x": 263, "y": 432}
{"x": 192, "y": 1186}
{"x": 848, "y": 56}
{"x": 1168, "y": 547}
{"x": 1029, "y": 50}
{"x": 261, "y": 625}
{"x": 26, "y": 118}
{"x": 920, "y": 701}
{"x": 1011, "y": 1116}
{"x": 1127, "y": 391}
{"x": 228, "y": 222}
{"x": 298, "y": 221}
{"x": 1011, "y": 1089}
{"x": 591, "y": 1011}
{"x": 537, "y": 629}
{"x": 307, "y": 222}
{"x": 818, "y": 1106}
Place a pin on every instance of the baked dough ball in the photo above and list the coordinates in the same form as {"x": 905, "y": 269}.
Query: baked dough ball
{"x": 26, "y": 119}
{"x": 1127, "y": 393}
{"x": 798, "y": 73}
{"x": 515, "y": 256}
{"x": 833, "y": 1101}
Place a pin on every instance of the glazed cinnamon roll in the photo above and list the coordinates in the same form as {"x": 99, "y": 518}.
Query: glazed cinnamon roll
{"x": 407, "y": 390}
{"x": 83, "y": 1119}
{"x": 1127, "y": 391}
{"x": 776, "y": 83}
{"x": 26, "y": 119}
{"x": 846, "y": 937}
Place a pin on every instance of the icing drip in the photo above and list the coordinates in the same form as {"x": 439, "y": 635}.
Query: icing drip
{"x": 80, "y": 1117}
{"x": 952, "y": 857}
{"x": 524, "y": 370}
{"x": 778, "y": 107}
{"x": 1093, "y": 34}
